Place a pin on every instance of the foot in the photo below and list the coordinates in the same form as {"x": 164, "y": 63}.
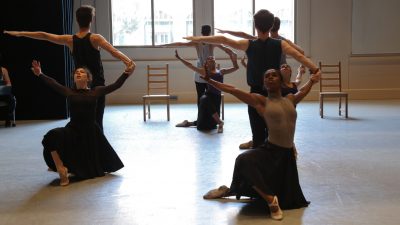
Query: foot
{"x": 63, "y": 172}
{"x": 276, "y": 212}
{"x": 246, "y": 145}
{"x": 220, "y": 192}
{"x": 184, "y": 123}
{"x": 221, "y": 127}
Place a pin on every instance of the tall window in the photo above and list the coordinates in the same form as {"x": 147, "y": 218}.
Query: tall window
{"x": 237, "y": 15}
{"x": 137, "y": 23}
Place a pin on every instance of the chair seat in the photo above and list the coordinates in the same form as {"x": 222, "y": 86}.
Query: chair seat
{"x": 333, "y": 94}
{"x": 156, "y": 96}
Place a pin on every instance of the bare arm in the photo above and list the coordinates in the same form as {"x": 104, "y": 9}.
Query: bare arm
{"x": 300, "y": 71}
{"x": 101, "y": 42}
{"x": 240, "y": 34}
{"x": 6, "y": 77}
{"x": 306, "y": 88}
{"x": 188, "y": 64}
{"x": 289, "y": 50}
{"x": 243, "y": 61}
{"x": 298, "y": 48}
{"x": 180, "y": 44}
{"x": 39, "y": 35}
{"x": 233, "y": 57}
{"x": 236, "y": 44}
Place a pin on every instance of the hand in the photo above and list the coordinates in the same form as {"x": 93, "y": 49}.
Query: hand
{"x": 130, "y": 67}
{"x": 243, "y": 61}
{"x": 36, "y": 68}
{"x": 316, "y": 76}
{"x": 12, "y": 33}
{"x": 220, "y": 31}
{"x": 301, "y": 70}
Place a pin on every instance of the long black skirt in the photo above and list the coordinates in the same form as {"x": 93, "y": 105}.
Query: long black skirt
{"x": 272, "y": 169}
{"x": 210, "y": 104}
{"x": 83, "y": 148}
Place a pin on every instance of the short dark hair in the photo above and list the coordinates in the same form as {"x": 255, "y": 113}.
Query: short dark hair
{"x": 84, "y": 15}
{"x": 206, "y": 30}
{"x": 276, "y": 25}
{"x": 263, "y": 20}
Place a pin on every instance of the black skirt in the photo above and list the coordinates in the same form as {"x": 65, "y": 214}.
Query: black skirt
{"x": 83, "y": 148}
{"x": 273, "y": 170}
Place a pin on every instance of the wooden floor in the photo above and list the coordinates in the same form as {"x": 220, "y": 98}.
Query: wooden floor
{"x": 348, "y": 168}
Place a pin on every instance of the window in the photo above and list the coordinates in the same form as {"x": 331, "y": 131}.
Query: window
{"x": 137, "y": 23}
{"x": 237, "y": 15}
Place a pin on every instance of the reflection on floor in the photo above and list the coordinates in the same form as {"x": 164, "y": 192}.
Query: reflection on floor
{"x": 348, "y": 170}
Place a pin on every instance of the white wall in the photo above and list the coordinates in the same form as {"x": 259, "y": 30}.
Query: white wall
{"x": 323, "y": 30}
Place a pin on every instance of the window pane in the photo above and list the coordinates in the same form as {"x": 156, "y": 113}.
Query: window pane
{"x": 129, "y": 19}
{"x": 284, "y": 9}
{"x": 233, "y": 15}
{"x": 173, "y": 19}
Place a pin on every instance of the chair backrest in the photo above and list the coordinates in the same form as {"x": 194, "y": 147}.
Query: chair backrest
{"x": 157, "y": 80}
{"x": 331, "y": 79}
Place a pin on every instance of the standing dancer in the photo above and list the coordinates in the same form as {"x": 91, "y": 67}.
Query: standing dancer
{"x": 80, "y": 147}
{"x": 85, "y": 48}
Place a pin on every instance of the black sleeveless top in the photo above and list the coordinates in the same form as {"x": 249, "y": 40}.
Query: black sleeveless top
{"x": 86, "y": 56}
{"x": 262, "y": 56}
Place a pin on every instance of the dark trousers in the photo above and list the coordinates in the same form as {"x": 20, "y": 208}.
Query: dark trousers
{"x": 209, "y": 105}
{"x": 258, "y": 125}
{"x": 200, "y": 89}
{"x": 11, "y": 103}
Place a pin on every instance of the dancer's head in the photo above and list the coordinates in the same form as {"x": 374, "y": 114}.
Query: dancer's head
{"x": 263, "y": 20}
{"x": 205, "y": 30}
{"x": 82, "y": 77}
{"x": 84, "y": 15}
{"x": 286, "y": 72}
{"x": 277, "y": 24}
{"x": 273, "y": 80}
{"x": 210, "y": 63}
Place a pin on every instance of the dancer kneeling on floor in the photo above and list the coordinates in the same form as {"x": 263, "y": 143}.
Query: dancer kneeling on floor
{"x": 210, "y": 102}
{"x": 80, "y": 147}
{"x": 270, "y": 171}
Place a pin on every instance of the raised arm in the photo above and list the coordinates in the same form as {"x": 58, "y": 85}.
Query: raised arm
{"x": 289, "y": 50}
{"x": 243, "y": 61}
{"x": 240, "y": 34}
{"x": 298, "y": 48}
{"x": 306, "y": 88}
{"x": 233, "y": 57}
{"x": 188, "y": 64}
{"x": 103, "y": 90}
{"x": 6, "y": 76}
{"x": 236, "y": 44}
{"x": 39, "y": 35}
{"x": 37, "y": 70}
{"x": 101, "y": 42}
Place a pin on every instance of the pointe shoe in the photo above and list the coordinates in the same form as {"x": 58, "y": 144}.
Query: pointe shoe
{"x": 64, "y": 180}
{"x": 221, "y": 127}
{"x": 276, "y": 212}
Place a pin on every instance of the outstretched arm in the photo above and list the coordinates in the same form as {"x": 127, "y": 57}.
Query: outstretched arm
{"x": 39, "y": 35}
{"x": 37, "y": 70}
{"x": 255, "y": 100}
{"x": 236, "y": 44}
{"x": 289, "y": 50}
{"x": 101, "y": 42}
{"x": 306, "y": 88}
{"x": 188, "y": 64}
{"x": 180, "y": 44}
{"x": 103, "y": 90}
{"x": 233, "y": 57}
{"x": 240, "y": 34}
{"x": 298, "y": 48}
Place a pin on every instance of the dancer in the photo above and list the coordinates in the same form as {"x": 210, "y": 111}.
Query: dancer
{"x": 203, "y": 51}
{"x": 270, "y": 171}
{"x": 288, "y": 85}
{"x": 263, "y": 53}
{"x": 85, "y": 48}
{"x": 80, "y": 147}
{"x": 9, "y": 98}
{"x": 210, "y": 102}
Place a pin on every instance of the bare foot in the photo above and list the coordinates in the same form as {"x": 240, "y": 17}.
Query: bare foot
{"x": 64, "y": 180}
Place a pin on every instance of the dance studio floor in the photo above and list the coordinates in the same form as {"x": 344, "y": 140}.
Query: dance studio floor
{"x": 348, "y": 168}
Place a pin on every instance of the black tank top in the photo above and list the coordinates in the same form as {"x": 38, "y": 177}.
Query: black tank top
{"x": 86, "y": 56}
{"x": 262, "y": 56}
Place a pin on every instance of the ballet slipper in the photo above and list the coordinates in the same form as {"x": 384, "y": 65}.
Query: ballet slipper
{"x": 276, "y": 212}
{"x": 221, "y": 127}
{"x": 220, "y": 192}
{"x": 64, "y": 180}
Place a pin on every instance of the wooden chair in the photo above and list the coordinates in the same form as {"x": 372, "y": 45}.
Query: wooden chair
{"x": 330, "y": 86}
{"x": 157, "y": 88}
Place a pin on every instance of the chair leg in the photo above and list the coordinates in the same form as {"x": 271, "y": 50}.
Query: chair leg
{"x": 144, "y": 110}
{"x": 168, "y": 109}
{"x": 222, "y": 107}
{"x": 148, "y": 109}
{"x": 340, "y": 106}
{"x": 346, "y": 106}
{"x": 321, "y": 106}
